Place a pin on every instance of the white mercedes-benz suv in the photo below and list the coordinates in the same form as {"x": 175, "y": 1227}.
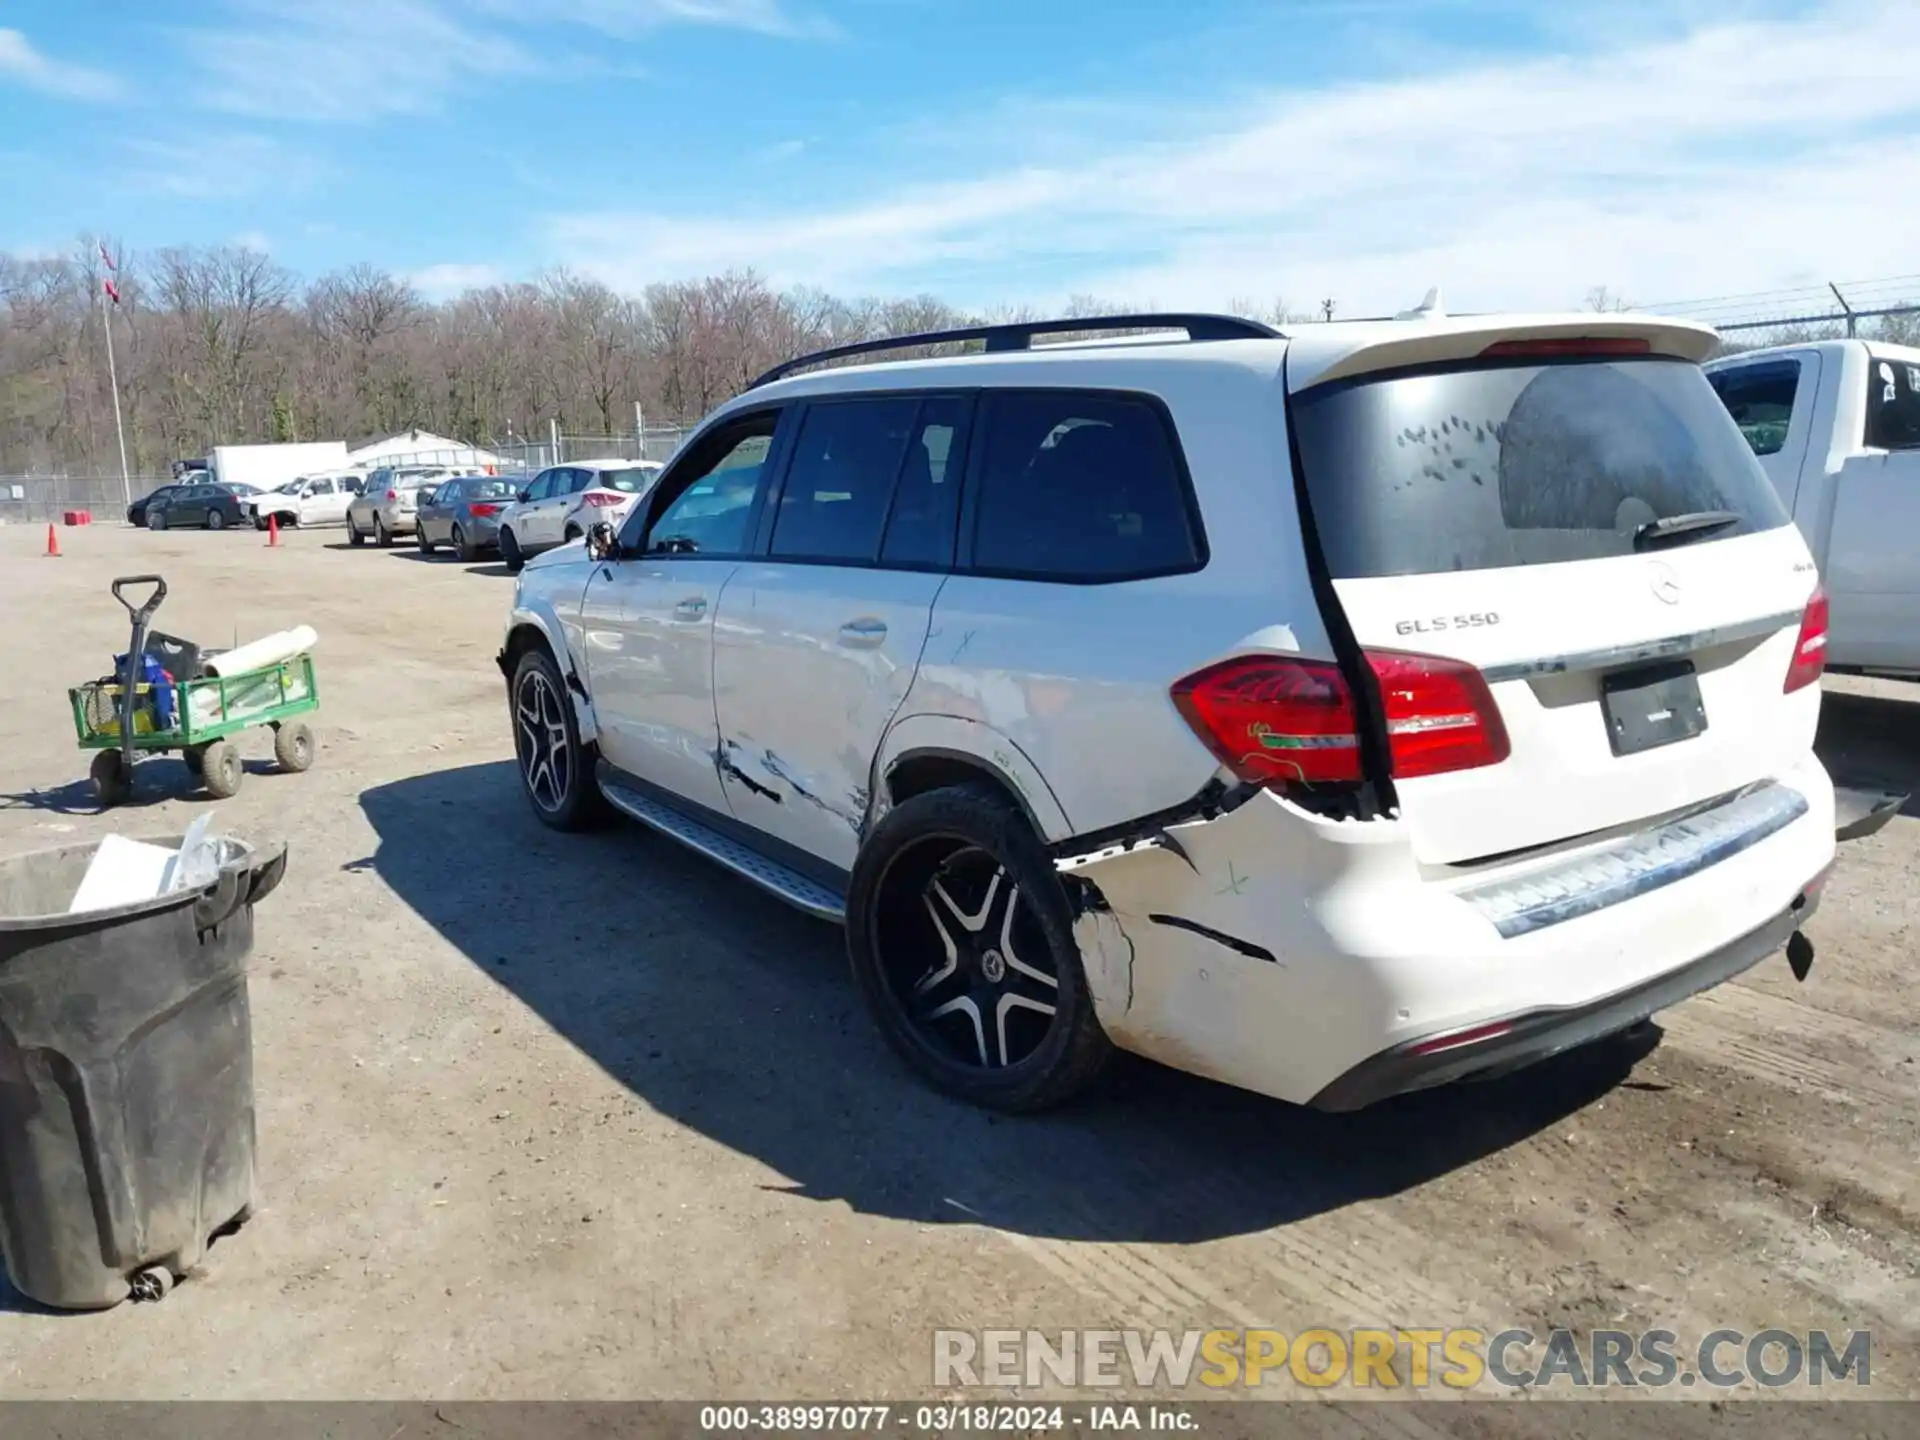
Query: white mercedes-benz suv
{"x": 1333, "y": 713}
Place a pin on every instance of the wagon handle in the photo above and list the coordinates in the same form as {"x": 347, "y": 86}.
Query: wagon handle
{"x": 145, "y": 612}
{"x": 130, "y": 674}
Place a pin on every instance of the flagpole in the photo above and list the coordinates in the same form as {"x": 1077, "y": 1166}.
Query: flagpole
{"x": 113, "y": 375}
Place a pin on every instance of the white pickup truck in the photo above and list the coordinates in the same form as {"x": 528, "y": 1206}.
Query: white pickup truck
{"x": 1836, "y": 426}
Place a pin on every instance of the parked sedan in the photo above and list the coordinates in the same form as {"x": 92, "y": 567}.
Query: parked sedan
{"x": 211, "y": 507}
{"x": 137, "y": 512}
{"x": 388, "y": 505}
{"x": 464, "y": 513}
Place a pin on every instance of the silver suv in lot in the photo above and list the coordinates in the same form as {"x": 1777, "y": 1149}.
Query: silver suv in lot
{"x": 1333, "y": 713}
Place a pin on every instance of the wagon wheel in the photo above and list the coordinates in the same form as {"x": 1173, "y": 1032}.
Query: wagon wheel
{"x": 112, "y": 781}
{"x": 221, "y": 771}
{"x": 293, "y": 747}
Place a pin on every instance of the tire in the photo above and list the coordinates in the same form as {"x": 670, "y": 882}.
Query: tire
{"x": 195, "y": 757}
{"x": 559, "y": 783}
{"x": 156, "y": 519}
{"x": 259, "y": 521}
{"x": 215, "y": 520}
{"x": 510, "y": 555}
{"x": 221, "y": 771}
{"x": 293, "y": 747}
{"x": 463, "y": 547}
{"x": 420, "y": 540}
{"x": 112, "y": 783}
{"x": 354, "y": 537}
{"x": 974, "y": 1020}
{"x": 574, "y": 532}
{"x": 382, "y": 536}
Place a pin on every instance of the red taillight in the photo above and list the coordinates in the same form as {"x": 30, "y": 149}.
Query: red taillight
{"x": 1810, "y": 649}
{"x": 393, "y": 494}
{"x": 1458, "y": 1038}
{"x": 602, "y": 498}
{"x": 1562, "y": 346}
{"x": 1440, "y": 714}
{"x": 485, "y": 508}
{"x": 1273, "y": 719}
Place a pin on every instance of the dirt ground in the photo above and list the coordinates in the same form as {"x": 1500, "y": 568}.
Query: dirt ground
{"x": 553, "y": 1117}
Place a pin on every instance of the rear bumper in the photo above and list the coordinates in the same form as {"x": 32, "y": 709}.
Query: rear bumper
{"x": 1535, "y": 1036}
{"x": 1318, "y": 962}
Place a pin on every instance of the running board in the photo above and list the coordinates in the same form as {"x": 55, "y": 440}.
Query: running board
{"x": 780, "y": 881}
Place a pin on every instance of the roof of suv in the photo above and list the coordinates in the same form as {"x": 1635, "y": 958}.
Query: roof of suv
{"x": 1313, "y": 353}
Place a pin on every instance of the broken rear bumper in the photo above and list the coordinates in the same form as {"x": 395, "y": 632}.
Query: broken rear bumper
{"x": 1858, "y": 813}
{"x": 1529, "y": 1038}
{"x": 1320, "y": 962}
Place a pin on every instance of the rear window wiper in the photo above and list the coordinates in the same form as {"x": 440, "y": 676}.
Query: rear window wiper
{"x": 1694, "y": 524}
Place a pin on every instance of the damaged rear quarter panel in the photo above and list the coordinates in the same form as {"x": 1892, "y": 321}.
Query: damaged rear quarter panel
{"x": 1265, "y": 878}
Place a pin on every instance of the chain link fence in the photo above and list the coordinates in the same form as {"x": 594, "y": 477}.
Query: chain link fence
{"x": 45, "y": 499}
{"x": 1886, "y": 309}
{"x": 657, "y": 443}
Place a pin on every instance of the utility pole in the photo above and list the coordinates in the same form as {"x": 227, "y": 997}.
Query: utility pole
{"x": 1326, "y": 310}
{"x": 640, "y": 428}
{"x": 112, "y": 292}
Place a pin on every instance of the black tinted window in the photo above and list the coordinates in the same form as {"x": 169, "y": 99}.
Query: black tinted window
{"x": 1078, "y": 486}
{"x": 1477, "y": 469}
{"x": 1893, "y": 405}
{"x": 1760, "y": 399}
{"x": 845, "y": 459}
{"x": 925, "y": 499}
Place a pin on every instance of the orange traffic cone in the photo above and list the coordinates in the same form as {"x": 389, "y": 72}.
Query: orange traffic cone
{"x": 273, "y": 530}
{"x": 53, "y": 543}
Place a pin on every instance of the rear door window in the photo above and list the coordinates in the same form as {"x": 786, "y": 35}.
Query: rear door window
{"x": 840, "y": 482}
{"x": 920, "y": 528}
{"x": 1893, "y": 405}
{"x": 1084, "y": 487}
{"x": 1484, "y": 467}
{"x": 1760, "y": 399}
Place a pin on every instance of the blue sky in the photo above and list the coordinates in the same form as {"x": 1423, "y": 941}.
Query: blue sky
{"x": 1186, "y": 153}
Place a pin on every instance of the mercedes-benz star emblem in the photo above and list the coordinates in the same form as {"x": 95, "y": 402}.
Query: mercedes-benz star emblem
{"x": 1665, "y": 583}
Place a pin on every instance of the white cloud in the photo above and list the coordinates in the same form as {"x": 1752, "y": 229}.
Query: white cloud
{"x": 20, "y": 62}
{"x": 444, "y": 282}
{"x": 253, "y": 240}
{"x": 343, "y": 60}
{"x": 1738, "y": 155}
{"x": 216, "y": 167}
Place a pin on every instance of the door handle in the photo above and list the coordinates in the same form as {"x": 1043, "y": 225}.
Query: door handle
{"x": 863, "y": 632}
{"x": 691, "y": 608}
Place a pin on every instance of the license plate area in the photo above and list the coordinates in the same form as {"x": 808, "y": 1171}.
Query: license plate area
{"x": 1652, "y": 705}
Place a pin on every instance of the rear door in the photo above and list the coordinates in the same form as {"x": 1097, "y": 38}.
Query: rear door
{"x": 1496, "y": 512}
{"x": 816, "y": 644}
{"x": 1871, "y": 567}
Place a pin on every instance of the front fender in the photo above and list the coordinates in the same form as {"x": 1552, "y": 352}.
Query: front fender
{"x": 538, "y": 613}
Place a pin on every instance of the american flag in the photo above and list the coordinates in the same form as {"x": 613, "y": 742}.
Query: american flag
{"x": 107, "y": 284}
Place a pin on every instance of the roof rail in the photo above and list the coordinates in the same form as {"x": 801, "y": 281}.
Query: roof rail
{"x": 1019, "y": 335}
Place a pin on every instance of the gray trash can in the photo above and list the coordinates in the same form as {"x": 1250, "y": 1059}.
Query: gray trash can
{"x": 126, "y": 1075}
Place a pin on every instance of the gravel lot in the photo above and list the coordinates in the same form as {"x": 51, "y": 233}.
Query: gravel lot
{"x": 546, "y": 1117}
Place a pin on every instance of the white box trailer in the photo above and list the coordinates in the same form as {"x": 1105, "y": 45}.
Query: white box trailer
{"x": 265, "y": 467}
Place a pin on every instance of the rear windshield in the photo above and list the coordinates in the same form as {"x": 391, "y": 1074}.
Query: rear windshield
{"x": 1495, "y": 466}
{"x": 628, "y": 482}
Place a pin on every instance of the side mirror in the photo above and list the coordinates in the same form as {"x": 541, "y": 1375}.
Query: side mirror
{"x": 602, "y": 542}
{"x": 524, "y": 496}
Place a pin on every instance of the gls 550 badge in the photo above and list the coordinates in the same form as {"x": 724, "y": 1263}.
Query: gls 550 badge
{"x": 1438, "y": 623}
